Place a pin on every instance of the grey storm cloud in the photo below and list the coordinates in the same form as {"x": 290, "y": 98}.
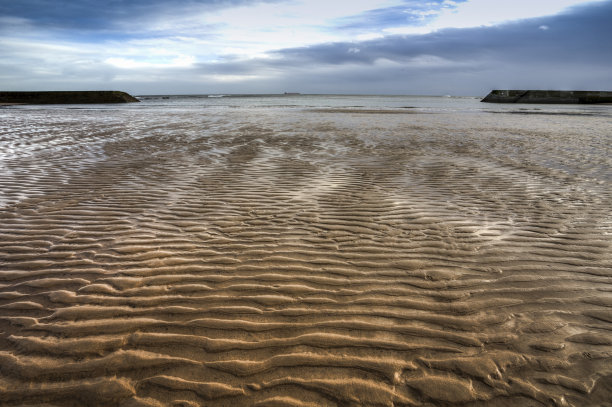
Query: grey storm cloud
{"x": 94, "y": 15}
{"x": 583, "y": 35}
{"x": 568, "y": 50}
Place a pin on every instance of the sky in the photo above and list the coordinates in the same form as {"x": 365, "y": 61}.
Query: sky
{"x": 424, "y": 47}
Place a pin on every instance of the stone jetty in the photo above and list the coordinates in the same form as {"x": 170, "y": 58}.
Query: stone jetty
{"x": 66, "y": 97}
{"x": 548, "y": 96}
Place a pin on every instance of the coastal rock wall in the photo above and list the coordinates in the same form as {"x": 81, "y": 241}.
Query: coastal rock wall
{"x": 66, "y": 97}
{"x": 548, "y": 96}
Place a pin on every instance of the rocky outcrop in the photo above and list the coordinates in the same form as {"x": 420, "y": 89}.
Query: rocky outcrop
{"x": 548, "y": 96}
{"x": 66, "y": 97}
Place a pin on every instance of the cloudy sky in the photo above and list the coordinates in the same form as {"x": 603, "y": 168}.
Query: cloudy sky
{"x": 459, "y": 47}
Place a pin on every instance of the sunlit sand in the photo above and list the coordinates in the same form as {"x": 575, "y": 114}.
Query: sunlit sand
{"x": 291, "y": 257}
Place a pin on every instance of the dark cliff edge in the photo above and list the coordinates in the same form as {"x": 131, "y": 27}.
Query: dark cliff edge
{"x": 66, "y": 97}
{"x": 548, "y": 96}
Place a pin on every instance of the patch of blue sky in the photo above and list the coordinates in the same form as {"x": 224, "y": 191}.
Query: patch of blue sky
{"x": 411, "y": 13}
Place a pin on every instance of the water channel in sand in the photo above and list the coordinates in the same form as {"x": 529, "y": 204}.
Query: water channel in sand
{"x": 305, "y": 251}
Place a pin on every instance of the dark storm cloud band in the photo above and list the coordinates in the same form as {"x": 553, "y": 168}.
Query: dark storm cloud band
{"x": 94, "y": 15}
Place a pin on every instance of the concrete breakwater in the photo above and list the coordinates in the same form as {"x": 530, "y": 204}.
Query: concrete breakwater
{"x": 66, "y": 97}
{"x": 548, "y": 96}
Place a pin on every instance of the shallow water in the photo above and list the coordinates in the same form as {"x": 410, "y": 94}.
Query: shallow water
{"x": 305, "y": 251}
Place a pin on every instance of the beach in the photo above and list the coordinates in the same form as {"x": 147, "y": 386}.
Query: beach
{"x": 306, "y": 251}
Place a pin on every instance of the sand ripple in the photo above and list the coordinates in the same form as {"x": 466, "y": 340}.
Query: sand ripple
{"x": 152, "y": 258}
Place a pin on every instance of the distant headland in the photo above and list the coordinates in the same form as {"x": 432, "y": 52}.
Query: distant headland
{"x": 548, "y": 96}
{"x": 66, "y": 97}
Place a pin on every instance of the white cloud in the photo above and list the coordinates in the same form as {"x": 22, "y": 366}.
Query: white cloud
{"x": 431, "y": 61}
{"x": 177, "y": 61}
{"x": 234, "y": 78}
{"x": 256, "y": 29}
{"x": 368, "y": 36}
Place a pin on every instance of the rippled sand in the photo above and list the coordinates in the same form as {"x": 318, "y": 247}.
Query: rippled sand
{"x": 304, "y": 258}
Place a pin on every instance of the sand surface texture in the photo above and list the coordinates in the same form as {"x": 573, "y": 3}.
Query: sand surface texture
{"x": 311, "y": 258}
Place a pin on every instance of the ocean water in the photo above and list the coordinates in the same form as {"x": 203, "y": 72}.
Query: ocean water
{"x": 306, "y": 250}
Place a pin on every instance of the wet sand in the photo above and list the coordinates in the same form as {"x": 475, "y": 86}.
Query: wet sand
{"x": 274, "y": 258}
